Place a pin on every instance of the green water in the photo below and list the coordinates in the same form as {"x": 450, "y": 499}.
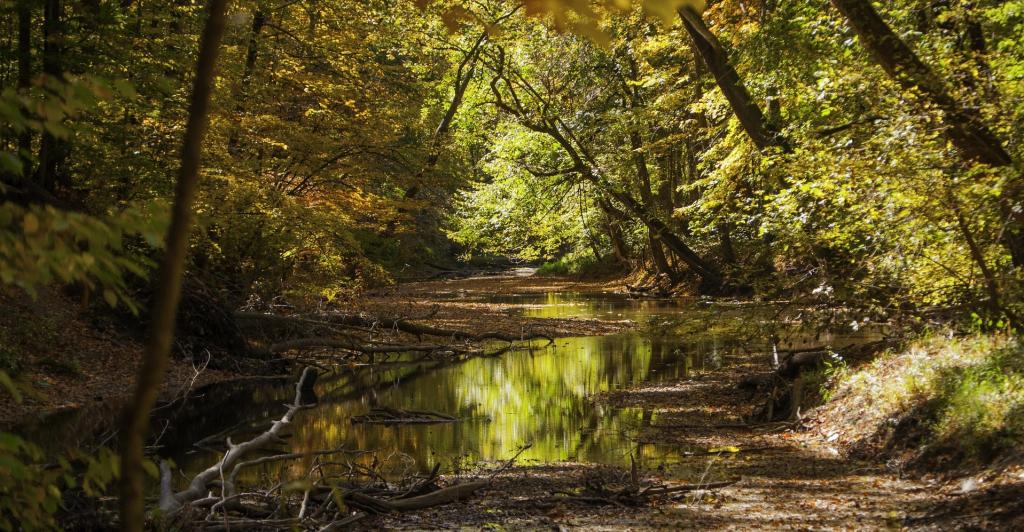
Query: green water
{"x": 544, "y": 396}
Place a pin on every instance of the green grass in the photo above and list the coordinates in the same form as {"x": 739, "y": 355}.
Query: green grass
{"x": 558, "y": 267}
{"x": 579, "y": 264}
{"x": 966, "y": 393}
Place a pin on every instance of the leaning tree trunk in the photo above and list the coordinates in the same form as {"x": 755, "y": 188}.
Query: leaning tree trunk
{"x": 647, "y": 198}
{"x": 710, "y": 49}
{"x": 613, "y": 220}
{"x": 135, "y": 422}
{"x": 964, "y": 128}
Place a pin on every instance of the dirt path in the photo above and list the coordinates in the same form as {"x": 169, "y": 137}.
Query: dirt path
{"x": 787, "y": 479}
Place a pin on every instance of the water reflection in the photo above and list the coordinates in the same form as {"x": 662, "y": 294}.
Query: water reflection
{"x": 541, "y": 396}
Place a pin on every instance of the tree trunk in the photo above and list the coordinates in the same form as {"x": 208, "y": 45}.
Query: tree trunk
{"x": 647, "y": 198}
{"x": 52, "y": 151}
{"x": 713, "y": 282}
{"x": 964, "y": 128}
{"x": 135, "y": 422}
{"x": 259, "y": 19}
{"x": 725, "y": 242}
{"x": 613, "y": 218}
{"x": 25, "y": 80}
{"x": 708, "y": 47}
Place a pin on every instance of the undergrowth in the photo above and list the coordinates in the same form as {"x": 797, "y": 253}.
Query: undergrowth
{"x": 958, "y": 398}
{"x": 577, "y": 265}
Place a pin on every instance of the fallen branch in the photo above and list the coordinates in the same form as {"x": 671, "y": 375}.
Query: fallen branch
{"x": 171, "y": 502}
{"x": 437, "y": 498}
{"x": 389, "y": 416}
{"x": 350, "y": 344}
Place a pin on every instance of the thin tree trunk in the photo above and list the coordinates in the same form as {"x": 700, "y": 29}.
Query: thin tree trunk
{"x": 725, "y": 242}
{"x": 710, "y": 49}
{"x": 613, "y": 218}
{"x": 25, "y": 79}
{"x": 964, "y": 128}
{"x": 135, "y": 422}
{"x": 647, "y": 198}
{"x": 259, "y": 19}
{"x": 52, "y": 150}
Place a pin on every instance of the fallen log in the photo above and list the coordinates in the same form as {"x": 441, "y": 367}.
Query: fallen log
{"x": 350, "y": 344}
{"x": 393, "y": 416}
{"x": 171, "y": 502}
{"x": 436, "y": 498}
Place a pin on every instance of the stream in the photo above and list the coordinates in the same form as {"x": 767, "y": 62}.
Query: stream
{"x": 544, "y": 396}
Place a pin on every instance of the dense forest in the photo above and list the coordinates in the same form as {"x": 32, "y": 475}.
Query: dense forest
{"x": 257, "y": 181}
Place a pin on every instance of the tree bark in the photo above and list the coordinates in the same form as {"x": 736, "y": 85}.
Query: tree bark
{"x": 25, "y": 79}
{"x": 964, "y": 128}
{"x": 647, "y": 198}
{"x": 52, "y": 151}
{"x": 710, "y": 49}
{"x": 259, "y": 20}
{"x": 135, "y": 421}
{"x": 612, "y": 220}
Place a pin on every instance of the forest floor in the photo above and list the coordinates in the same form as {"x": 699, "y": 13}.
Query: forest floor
{"x": 69, "y": 358}
{"x": 789, "y": 476}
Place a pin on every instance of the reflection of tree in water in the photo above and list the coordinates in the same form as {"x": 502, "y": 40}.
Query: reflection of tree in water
{"x": 540, "y": 396}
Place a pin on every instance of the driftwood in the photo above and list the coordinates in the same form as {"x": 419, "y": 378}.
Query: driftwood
{"x": 198, "y": 488}
{"x": 392, "y": 416}
{"x": 632, "y": 493}
{"x": 436, "y": 498}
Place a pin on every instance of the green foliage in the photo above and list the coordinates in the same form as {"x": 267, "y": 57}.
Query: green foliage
{"x": 41, "y": 245}
{"x": 968, "y": 393}
{"x": 32, "y": 487}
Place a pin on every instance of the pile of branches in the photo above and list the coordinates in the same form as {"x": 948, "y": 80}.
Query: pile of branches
{"x": 335, "y": 491}
{"x": 783, "y": 389}
{"x": 632, "y": 492}
{"x": 334, "y": 335}
{"x": 384, "y": 415}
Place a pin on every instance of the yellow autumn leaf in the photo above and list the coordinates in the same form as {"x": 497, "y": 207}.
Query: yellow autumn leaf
{"x": 31, "y": 223}
{"x": 726, "y": 449}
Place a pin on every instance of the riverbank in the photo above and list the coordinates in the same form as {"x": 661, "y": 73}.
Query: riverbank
{"x": 697, "y": 429}
{"x": 816, "y": 473}
{"x": 469, "y": 304}
{"x": 66, "y": 358}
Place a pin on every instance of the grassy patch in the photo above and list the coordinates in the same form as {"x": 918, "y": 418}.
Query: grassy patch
{"x": 962, "y": 397}
{"x": 577, "y": 265}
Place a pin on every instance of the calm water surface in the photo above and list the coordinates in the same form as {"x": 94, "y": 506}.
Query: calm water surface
{"x": 542, "y": 396}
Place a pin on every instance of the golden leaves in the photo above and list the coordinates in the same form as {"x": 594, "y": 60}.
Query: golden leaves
{"x": 580, "y": 16}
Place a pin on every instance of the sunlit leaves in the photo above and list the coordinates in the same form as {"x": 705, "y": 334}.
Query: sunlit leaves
{"x": 43, "y": 245}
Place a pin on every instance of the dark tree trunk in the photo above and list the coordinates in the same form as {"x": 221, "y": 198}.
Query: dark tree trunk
{"x": 613, "y": 220}
{"x": 259, "y": 19}
{"x": 725, "y": 243}
{"x": 964, "y": 128}
{"x": 708, "y": 47}
{"x": 647, "y": 198}
{"x": 52, "y": 151}
{"x": 135, "y": 421}
{"x": 25, "y": 79}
